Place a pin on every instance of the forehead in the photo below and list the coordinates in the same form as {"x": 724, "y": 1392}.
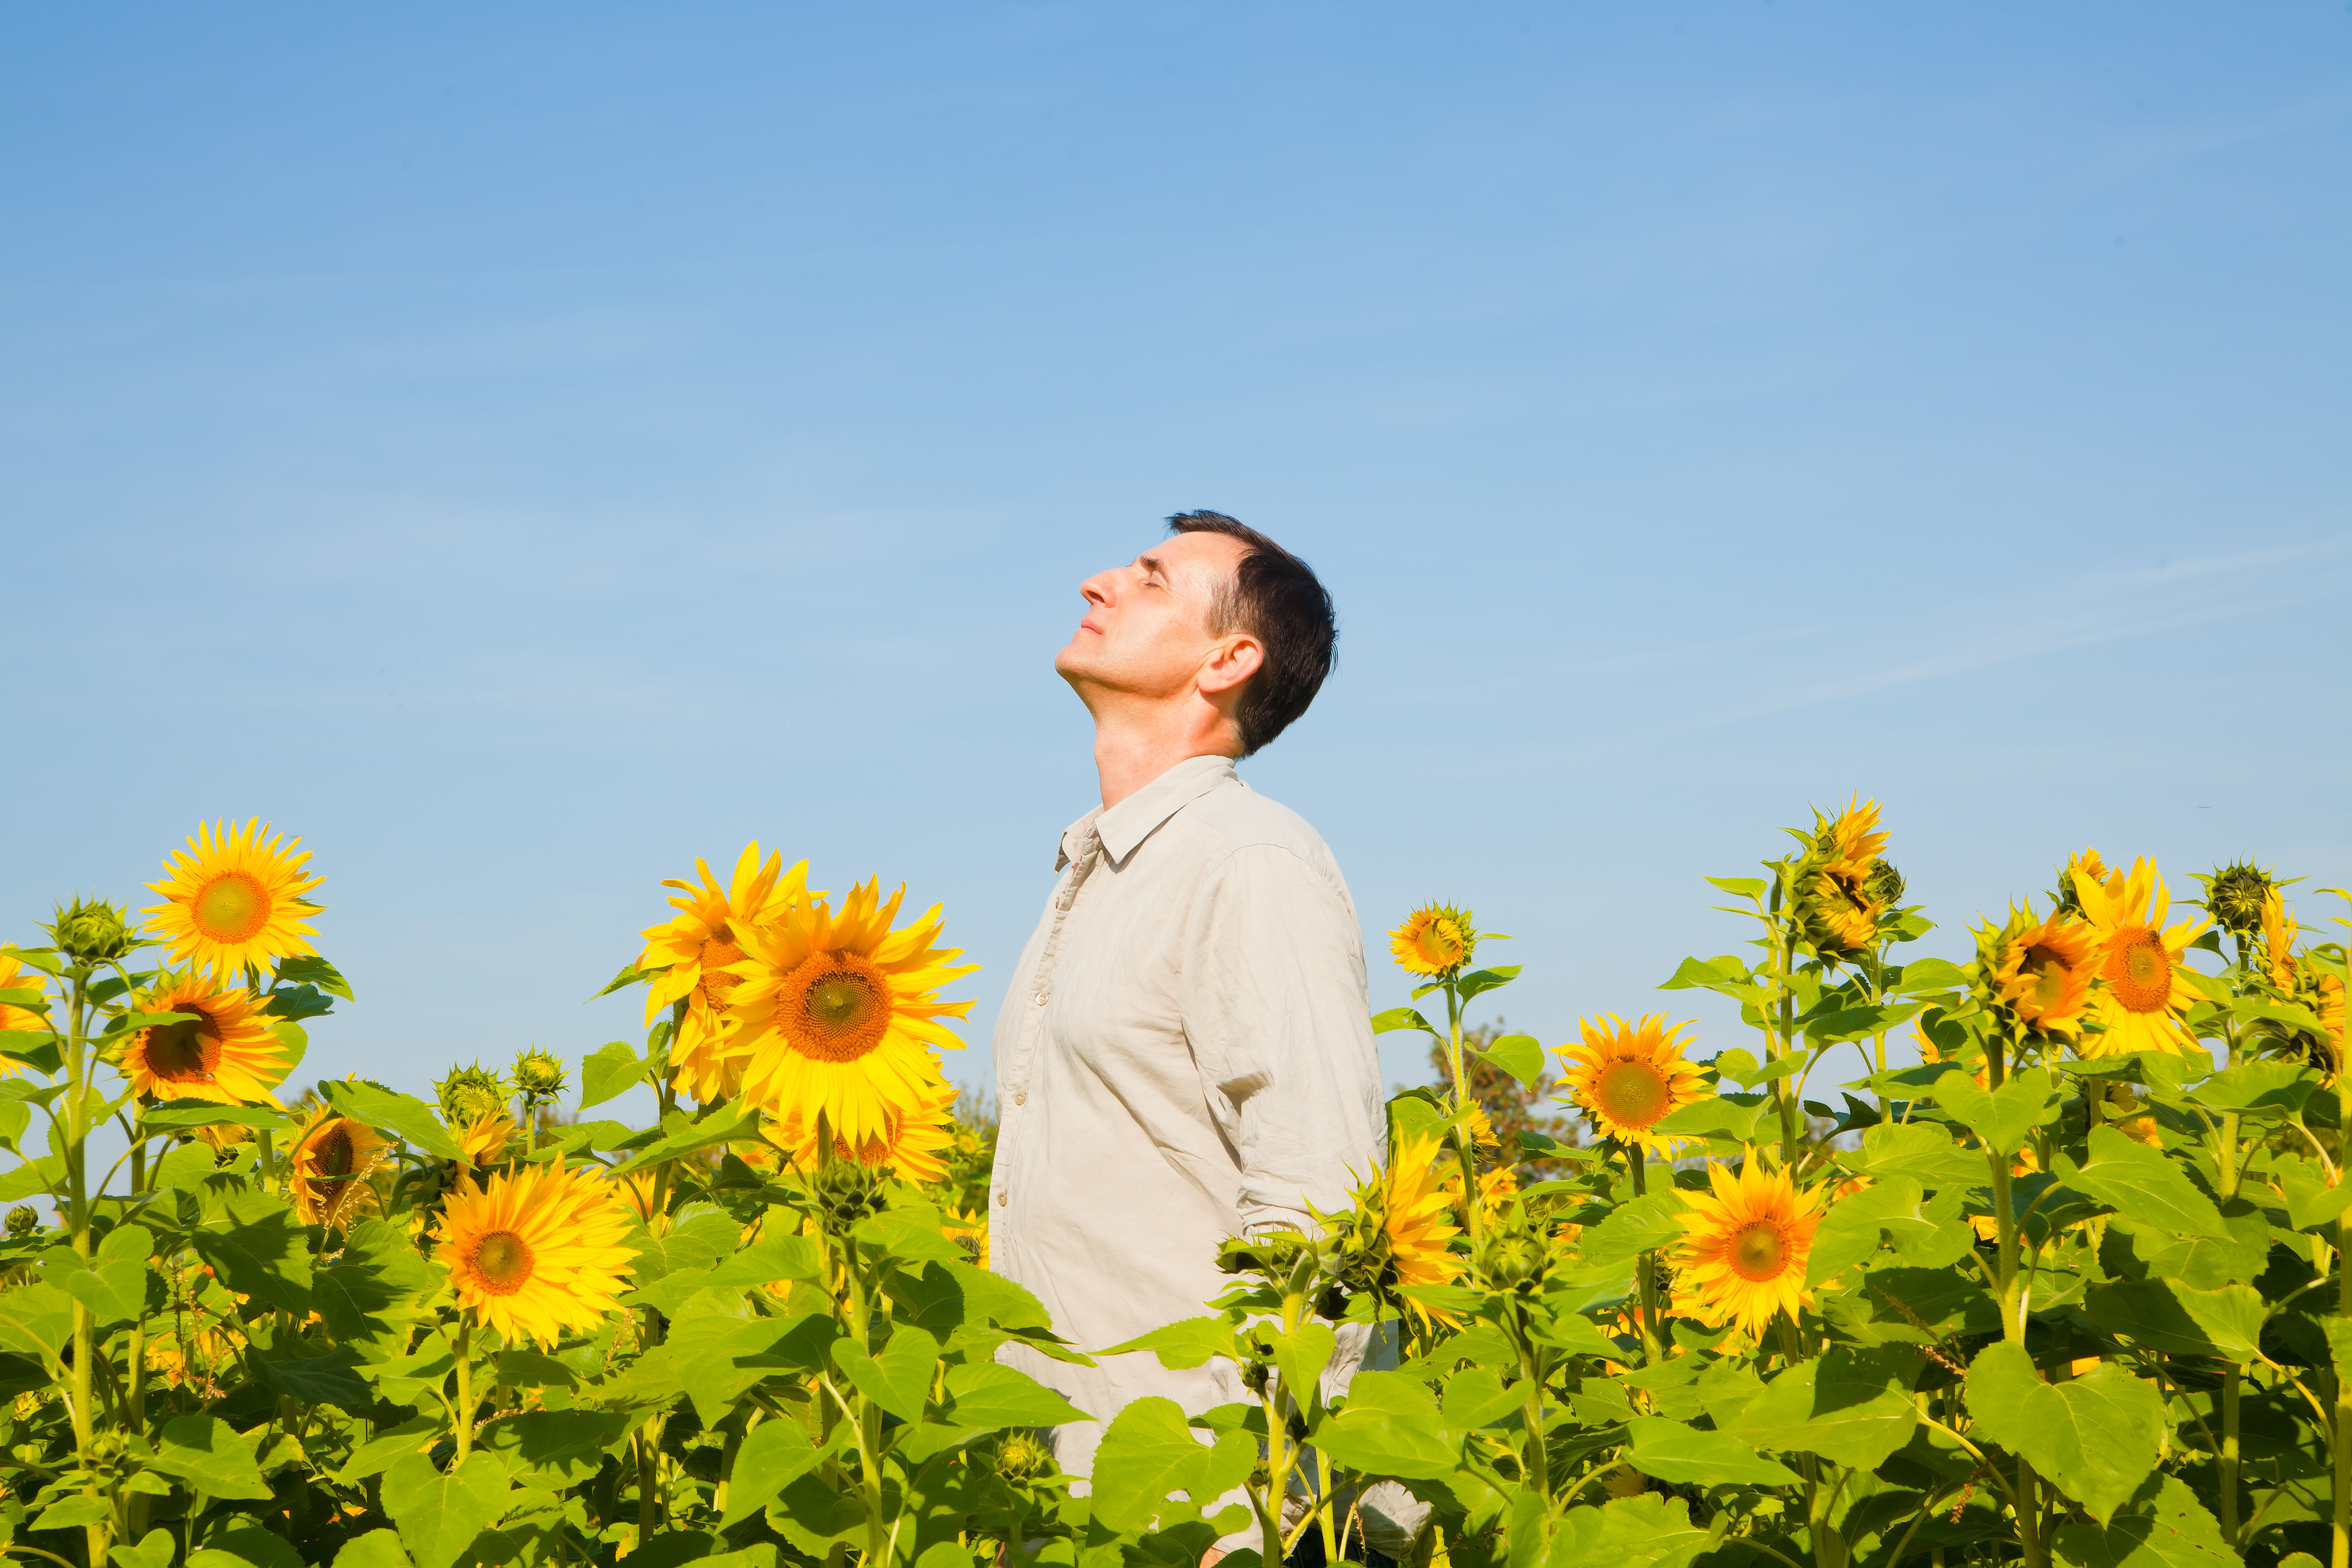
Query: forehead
{"x": 1192, "y": 556}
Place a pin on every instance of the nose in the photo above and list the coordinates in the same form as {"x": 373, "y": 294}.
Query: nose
{"x": 1097, "y": 589}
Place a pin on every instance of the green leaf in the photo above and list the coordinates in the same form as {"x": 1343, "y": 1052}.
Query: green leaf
{"x": 1650, "y": 1530}
{"x": 184, "y": 1168}
{"x": 1741, "y": 1068}
{"x": 260, "y": 1249}
{"x": 391, "y": 1444}
{"x": 297, "y": 1002}
{"x": 1475, "y": 1397}
{"x": 36, "y": 1319}
{"x": 376, "y": 1289}
{"x": 899, "y": 1379}
{"x": 207, "y": 1452}
{"x": 1850, "y": 1232}
{"x": 720, "y": 1360}
{"x": 36, "y": 1048}
{"x": 1521, "y": 1055}
{"x": 559, "y": 1448}
{"x": 1483, "y": 980}
{"x": 2003, "y": 1119}
{"x": 114, "y": 1289}
{"x": 1739, "y": 887}
{"x": 2167, "y": 1528}
{"x": 719, "y": 1125}
{"x": 983, "y": 1394}
{"x": 73, "y": 1512}
{"x": 1397, "y": 1018}
{"x": 1301, "y": 1356}
{"x": 403, "y": 1116}
{"x": 1859, "y": 1023}
{"x": 1727, "y": 974}
{"x": 777, "y": 1453}
{"x": 2312, "y": 1200}
{"x": 2258, "y": 1089}
{"x": 155, "y": 1550}
{"x": 1390, "y": 1426}
{"x": 309, "y": 969}
{"x": 2095, "y": 1437}
{"x": 319, "y": 1380}
{"x": 1923, "y": 1151}
{"x": 439, "y": 1515}
{"x": 204, "y": 1114}
{"x": 376, "y": 1548}
{"x": 630, "y": 974}
{"x": 1148, "y": 1453}
{"x": 2166, "y": 1315}
{"x": 2142, "y": 1182}
{"x": 1186, "y": 1342}
{"x": 1851, "y": 1406}
{"x": 609, "y": 1072}
{"x": 1931, "y": 974}
{"x": 245, "y": 1544}
{"x": 1645, "y": 1224}
{"x": 1671, "y": 1451}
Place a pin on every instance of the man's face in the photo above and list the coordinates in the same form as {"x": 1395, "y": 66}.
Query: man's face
{"x": 1146, "y": 629}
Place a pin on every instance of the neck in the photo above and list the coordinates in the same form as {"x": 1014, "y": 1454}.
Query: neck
{"x": 1133, "y": 747}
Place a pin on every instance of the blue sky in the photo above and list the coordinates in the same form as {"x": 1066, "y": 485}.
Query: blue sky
{"x": 521, "y": 449}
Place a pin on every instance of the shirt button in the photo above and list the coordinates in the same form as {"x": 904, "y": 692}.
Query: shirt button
{"x": 1003, "y": 1198}
{"x": 1041, "y": 998}
{"x": 1021, "y": 1097}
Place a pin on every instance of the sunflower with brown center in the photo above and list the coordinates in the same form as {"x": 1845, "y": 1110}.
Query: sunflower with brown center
{"x": 2143, "y": 981}
{"x": 1747, "y": 1245}
{"x": 913, "y": 1145}
{"x": 833, "y": 1012}
{"x": 329, "y": 1166}
{"x": 234, "y": 899}
{"x": 2042, "y": 970}
{"x": 536, "y": 1252}
{"x": 694, "y": 951}
{"x": 1629, "y": 1077}
{"x": 223, "y": 1051}
{"x": 1437, "y": 939}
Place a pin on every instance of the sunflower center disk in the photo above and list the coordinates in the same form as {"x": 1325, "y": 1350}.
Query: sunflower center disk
{"x": 1440, "y": 944}
{"x": 1758, "y": 1252}
{"x": 185, "y": 1052}
{"x": 335, "y": 1152}
{"x": 836, "y": 1006}
{"x": 1632, "y": 1093}
{"x": 503, "y": 1260}
{"x": 2139, "y": 972}
{"x": 232, "y": 906}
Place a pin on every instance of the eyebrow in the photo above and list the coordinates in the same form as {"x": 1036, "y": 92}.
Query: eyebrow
{"x": 1152, "y": 564}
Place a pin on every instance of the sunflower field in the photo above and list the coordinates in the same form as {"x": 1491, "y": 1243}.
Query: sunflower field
{"x": 2070, "y": 1291}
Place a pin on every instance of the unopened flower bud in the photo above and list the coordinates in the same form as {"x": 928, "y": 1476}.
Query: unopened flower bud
{"x": 91, "y": 931}
{"x": 538, "y": 1074}
{"x": 2235, "y": 896}
{"x": 1020, "y": 1456}
{"x": 23, "y": 1221}
{"x": 472, "y": 1093}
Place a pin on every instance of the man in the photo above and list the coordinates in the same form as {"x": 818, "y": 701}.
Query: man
{"x": 1185, "y": 1053}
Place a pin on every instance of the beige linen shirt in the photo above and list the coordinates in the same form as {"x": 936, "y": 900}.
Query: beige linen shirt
{"x": 1184, "y": 1055}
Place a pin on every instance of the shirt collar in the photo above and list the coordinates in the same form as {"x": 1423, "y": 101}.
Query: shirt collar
{"x": 1131, "y": 821}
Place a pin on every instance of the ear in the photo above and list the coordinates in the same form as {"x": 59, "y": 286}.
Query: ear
{"x": 1231, "y": 660}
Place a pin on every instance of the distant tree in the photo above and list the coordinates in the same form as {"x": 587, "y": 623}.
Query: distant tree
{"x": 1512, "y": 1106}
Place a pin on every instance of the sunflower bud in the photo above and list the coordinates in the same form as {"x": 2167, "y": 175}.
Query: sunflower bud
{"x": 472, "y": 1094}
{"x": 1020, "y": 1456}
{"x": 22, "y": 1222}
{"x": 846, "y": 1192}
{"x": 538, "y": 1074}
{"x": 1512, "y": 1260}
{"x": 1884, "y": 886}
{"x": 91, "y": 931}
{"x": 2235, "y": 896}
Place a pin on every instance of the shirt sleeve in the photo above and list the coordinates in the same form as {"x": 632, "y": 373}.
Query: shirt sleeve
{"x": 1272, "y": 1000}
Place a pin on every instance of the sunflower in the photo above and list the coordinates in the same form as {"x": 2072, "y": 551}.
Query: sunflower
{"x": 969, "y": 1234}
{"x": 2042, "y": 970}
{"x": 833, "y": 1012}
{"x": 636, "y": 1190}
{"x": 15, "y": 976}
{"x": 911, "y": 1146}
{"x": 1628, "y": 1077}
{"x": 329, "y": 1165}
{"x": 2146, "y": 987}
{"x": 236, "y": 900}
{"x": 484, "y": 1139}
{"x": 1853, "y": 839}
{"x": 1747, "y": 1245}
{"x": 694, "y": 951}
{"x": 1414, "y": 1221}
{"x": 2279, "y": 931}
{"x": 224, "y": 1051}
{"x": 1437, "y": 939}
{"x": 536, "y": 1252}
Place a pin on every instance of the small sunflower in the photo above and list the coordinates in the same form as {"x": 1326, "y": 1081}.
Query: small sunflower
{"x": 537, "y": 1251}
{"x": 2146, "y": 987}
{"x": 1437, "y": 939}
{"x": 912, "y": 1146}
{"x": 236, "y": 898}
{"x": 224, "y": 1051}
{"x": 1417, "y": 1204}
{"x": 694, "y": 951}
{"x": 2042, "y": 970}
{"x": 484, "y": 1139}
{"x": 1628, "y": 1077}
{"x": 328, "y": 1168}
{"x": 1747, "y": 1245}
{"x": 1843, "y": 887}
{"x": 833, "y": 1012}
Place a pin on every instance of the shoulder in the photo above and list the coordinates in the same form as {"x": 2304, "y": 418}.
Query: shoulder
{"x": 1257, "y": 835}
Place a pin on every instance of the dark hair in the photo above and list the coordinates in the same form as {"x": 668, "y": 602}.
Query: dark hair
{"x": 1274, "y": 597}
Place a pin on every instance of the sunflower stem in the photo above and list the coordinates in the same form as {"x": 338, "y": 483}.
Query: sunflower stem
{"x": 2340, "y": 1550}
{"x": 465, "y": 1434}
{"x": 2004, "y": 1214}
{"x": 1637, "y": 1161}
